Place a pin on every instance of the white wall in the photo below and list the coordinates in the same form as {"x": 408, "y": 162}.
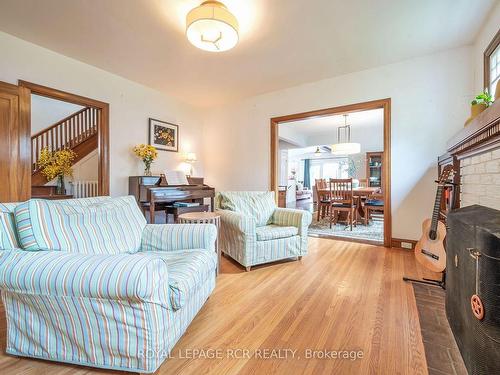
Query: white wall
{"x": 429, "y": 104}
{"x": 46, "y": 112}
{"x": 486, "y": 34}
{"x": 86, "y": 168}
{"x": 131, "y": 105}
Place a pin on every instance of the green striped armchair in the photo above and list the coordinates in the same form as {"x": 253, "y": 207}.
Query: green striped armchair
{"x": 254, "y": 231}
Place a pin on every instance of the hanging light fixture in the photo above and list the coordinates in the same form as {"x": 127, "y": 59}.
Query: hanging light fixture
{"x": 211, "y": 27}
{"x": 344, "y": 146}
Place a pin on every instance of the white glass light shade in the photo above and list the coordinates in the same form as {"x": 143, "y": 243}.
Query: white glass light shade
{"x": 346, "y": 148}
{"x": 190, "y": 157}
{"x": 211, "y": 27}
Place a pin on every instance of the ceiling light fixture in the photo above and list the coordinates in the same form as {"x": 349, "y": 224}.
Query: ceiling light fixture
{"x": 344, "y": 146}
{"x": 211, "y": 27}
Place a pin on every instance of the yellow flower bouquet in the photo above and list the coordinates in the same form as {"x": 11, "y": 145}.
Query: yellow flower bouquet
{"x": 58, "y": 164}
{"x": 147, "y": 154}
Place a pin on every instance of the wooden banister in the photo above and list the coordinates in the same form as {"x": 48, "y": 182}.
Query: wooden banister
{"x": 69, "y": 132}
{"x": 59, "y": 122}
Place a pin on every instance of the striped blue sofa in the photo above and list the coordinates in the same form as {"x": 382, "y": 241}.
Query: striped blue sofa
{"x": 254, "y": 231}
{"x": 87, "y": 281}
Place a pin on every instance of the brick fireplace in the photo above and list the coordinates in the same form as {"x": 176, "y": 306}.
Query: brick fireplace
{"x": 475, "y": 154}
{"x": 480, "y": 179}
{"x": 472, "y": 242}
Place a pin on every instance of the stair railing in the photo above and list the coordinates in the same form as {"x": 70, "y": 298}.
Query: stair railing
{"x": 67, "y": 133}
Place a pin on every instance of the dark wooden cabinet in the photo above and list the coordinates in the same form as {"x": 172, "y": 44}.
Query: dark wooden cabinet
{"x": 374, "y": 167}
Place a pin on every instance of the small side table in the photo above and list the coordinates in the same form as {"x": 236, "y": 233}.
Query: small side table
{"x": 204, "y": 218}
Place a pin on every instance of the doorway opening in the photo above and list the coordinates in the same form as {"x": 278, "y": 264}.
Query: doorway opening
{"x": 335, "y": 163}
{"x": 64, "y": 121}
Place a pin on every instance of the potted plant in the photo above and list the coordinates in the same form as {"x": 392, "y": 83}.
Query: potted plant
{"x": 479, "y": 104}
{"x": 147, "y": 154}
{"x": 57, "y": 164}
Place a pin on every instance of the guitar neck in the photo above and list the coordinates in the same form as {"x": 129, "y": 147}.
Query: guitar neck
{"x": 437, "y": 207}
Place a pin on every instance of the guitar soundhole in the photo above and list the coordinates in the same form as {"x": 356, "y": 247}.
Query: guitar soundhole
{"x": 433, "y": 235}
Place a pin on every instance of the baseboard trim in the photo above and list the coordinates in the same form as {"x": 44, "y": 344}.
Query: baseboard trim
{"x": 398, "y": 243}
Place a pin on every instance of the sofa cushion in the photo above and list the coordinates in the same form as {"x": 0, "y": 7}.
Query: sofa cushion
{"x": 273, "y": 232}
{"x": 258, "y": 205}
{"x": 8, "y": 233}
{"x": 187, "y": 271}
{"x": 101, "y": 225}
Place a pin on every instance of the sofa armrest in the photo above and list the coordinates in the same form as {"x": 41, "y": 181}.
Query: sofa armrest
{"x": 289, "y": 217}
{"x": 131, "y": 277}
{"x": 171, "y": 237}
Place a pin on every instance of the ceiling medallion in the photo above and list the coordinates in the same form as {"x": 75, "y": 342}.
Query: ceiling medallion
{"x": 212, "y": 27}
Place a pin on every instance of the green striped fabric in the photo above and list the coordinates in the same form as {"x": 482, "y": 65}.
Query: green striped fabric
{"x": 101, "y": 225}
{"x": 92, "y": 303}
{"x": 8, "y": 233}
{"x": 171, "y": 237}
{"x": 274, "y": 232}
{"x": 259, "y": 205}
{"x": 249, "y": 244}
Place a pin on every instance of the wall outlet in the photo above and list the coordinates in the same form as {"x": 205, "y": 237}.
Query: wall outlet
{"x": 406, "y": 245}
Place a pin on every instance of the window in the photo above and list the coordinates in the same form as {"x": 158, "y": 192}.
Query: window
{"x": 492, "y": 64}
{"x": 328, "y": 168}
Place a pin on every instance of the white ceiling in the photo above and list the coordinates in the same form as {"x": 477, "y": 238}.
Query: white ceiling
{"x": 367, "y": 128}
{"x": 283, "y": 43}
{"x": 363, "y": 121}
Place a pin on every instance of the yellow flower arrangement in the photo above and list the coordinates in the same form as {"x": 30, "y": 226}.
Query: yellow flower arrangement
{"x": 56, "y": 163}
{"x": 148, "y": 154}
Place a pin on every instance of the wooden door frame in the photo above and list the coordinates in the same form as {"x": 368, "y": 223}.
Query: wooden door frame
{"x": 103, "y": 131}
{"x": 384, "y": 104}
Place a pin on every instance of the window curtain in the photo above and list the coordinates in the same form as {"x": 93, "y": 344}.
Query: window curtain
{"x": 307, "y": 174}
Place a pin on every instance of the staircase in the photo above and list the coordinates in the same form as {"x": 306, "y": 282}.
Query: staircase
{"x": 77, "y": 132}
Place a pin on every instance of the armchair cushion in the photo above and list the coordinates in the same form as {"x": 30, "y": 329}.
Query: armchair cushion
{"x": 273, "y": 232}
{"x": 132, "y": 277}
{"x": 187, "y": 271}
{"x": 8, "y": 234}
{"x": 89, "y": 226}
{"x": 171, "y": 237}
{"x": 258, "y": 205}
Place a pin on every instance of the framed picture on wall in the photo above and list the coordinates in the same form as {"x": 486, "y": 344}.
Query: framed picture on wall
{"x": 163, "y": 135}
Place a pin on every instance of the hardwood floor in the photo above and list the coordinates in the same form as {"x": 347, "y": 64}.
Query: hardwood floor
{"x": 341, "y": 296}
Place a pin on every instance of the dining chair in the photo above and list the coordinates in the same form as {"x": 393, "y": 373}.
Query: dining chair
{"x": 323, "y": 196}
{"x": 342, "y": 200}
{"x": 363, "y": 182}
{"x": 375, "y": 202}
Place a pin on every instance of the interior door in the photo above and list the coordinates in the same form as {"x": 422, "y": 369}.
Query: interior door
{"x": 15, "y": 155}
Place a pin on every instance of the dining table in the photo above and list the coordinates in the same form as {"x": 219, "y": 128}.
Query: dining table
{"x": 358, "y": 193}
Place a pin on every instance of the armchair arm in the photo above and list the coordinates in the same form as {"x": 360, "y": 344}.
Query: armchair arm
{"x": 294, "y": 218}
{"x": 171, "y": 237}
{"x": 237, "y": 222}
{"x": 132, "y": 277}
{"x": 238, "y": 235}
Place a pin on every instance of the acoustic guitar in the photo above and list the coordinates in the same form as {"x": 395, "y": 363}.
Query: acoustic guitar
{"x": 429, "y": 250}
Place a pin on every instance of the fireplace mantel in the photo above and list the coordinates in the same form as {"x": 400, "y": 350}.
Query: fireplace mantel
{"x": 481, "y": 135}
